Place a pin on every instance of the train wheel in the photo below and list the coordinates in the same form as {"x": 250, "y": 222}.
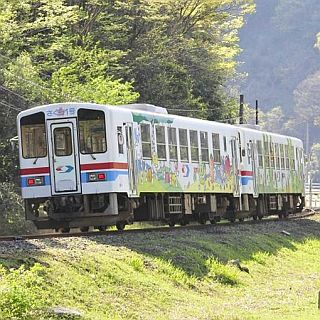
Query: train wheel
{"x": 102, "y": 228}
{"x": 260, "y": 217}
{"x": 202, "y": 219}
{"x": 241, "y": 219}
{"x": 212, "y": 221}
{"x": 84, "y": 229}
{"x": 120, "y": 225}
{"x": 254, "y": 218}
{"x": 183, "y": 222}
{"x": 65, "y": 230}
{"x": 232, "y": 220}
{"x": 171, "y": 224}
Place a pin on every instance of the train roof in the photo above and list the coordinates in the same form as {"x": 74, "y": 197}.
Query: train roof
{"x": 153, "y": 111}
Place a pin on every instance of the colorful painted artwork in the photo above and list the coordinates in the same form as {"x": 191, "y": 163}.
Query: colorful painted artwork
{"x": 158, "y": 175}
{"x": 172, "y": 176}
{"x": 275, "y": 180}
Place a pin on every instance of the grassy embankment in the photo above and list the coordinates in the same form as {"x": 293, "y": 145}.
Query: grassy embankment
{"x": 168, "y": 275}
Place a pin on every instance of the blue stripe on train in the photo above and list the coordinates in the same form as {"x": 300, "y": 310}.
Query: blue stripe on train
{"x": 111, "y": 175}
{"x": 245, "y": 180}
{"x": 24, "y": 181}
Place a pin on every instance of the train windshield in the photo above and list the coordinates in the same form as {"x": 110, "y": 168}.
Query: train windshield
{"x": 92, "y": 130}
{"x": 33, "y": 136}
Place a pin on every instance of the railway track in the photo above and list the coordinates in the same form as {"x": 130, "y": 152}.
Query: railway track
{"x": 302, "y": 215}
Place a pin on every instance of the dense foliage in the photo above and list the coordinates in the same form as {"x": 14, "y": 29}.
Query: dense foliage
{"x": 167, "y": 52}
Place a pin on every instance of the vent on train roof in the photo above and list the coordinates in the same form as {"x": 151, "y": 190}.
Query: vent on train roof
{"x": 145, "y": 107}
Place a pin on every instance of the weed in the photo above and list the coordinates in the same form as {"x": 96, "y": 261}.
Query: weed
{"x": 261, "y": 257}
{"x": 224, "y": 274}
{"x": 137, "y": 264}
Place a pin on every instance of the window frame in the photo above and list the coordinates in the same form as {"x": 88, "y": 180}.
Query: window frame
{"x": 79, "y": 131}
{"x": 70, "y": 153}
{"x": 44, "y": 133}
{"x": 162, "y": 144}
{"x": 194, "y": 147}
{"x": 260, "y": 153}
{"x": 204, "y": 147}
{"x": 146, "y": 142}
{"x": 215, "y": 137}
{"x": 172, "y": 145}
{"x": 266, "y": 149}
{"x": 183, "y": 145}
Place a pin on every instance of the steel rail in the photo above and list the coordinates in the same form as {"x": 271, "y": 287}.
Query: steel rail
{"x": 153, "y": 229}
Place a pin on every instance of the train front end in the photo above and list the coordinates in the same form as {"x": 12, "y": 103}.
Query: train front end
{"x": 72, "y": 173}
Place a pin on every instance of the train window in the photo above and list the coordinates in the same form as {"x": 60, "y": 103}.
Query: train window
{"x": 146, "y": 140}
{"x": 283, "y": 166}
{"x": 292, "y": 158}
{"x": 204, "y": 146}
{"x": 120, "y": 140}
{"x": 161, "y": 142}
{"x": 260, "y": 153}
{"x": 183, "y": 141}
{"x": 225, "y": 143}
{"x": 194, "y": 145}
{"x": 172, "y": 141}
{"x": 62, "y": 141}
{"x": 33, "y": 136}
{"x": 266, "y": 155}
{"x": 272, "y": 157}
{"x": 240, "y": 146}
{"x": 216, "y": 148}
{"x": 92, "y": 131}
{"x": 277, "y": 155}
{"x": 286, "y": 149}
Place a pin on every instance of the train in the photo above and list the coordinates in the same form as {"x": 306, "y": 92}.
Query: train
{"x": 86, "y": 165}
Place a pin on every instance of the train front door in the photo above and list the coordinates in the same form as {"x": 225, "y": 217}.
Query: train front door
{"x": 64, "y": 157}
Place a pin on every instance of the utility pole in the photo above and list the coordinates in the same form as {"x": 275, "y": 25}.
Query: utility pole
{"x": 308, "y": 166}
{"x": 241, "y": 109}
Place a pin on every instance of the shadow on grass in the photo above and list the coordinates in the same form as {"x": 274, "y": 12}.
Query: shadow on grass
{"x": 191, "y": 251}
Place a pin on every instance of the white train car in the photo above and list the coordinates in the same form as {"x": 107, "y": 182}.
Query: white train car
{"x": 83, "y": 164}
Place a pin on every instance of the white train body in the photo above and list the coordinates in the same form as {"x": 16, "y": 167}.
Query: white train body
{"x": 85, "y": 164}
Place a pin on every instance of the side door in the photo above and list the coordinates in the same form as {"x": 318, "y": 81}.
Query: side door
{"x": 132, "y": 172}
{"x": 253, "y": 150}
{"x": 64, "y": 157}
{"x": 235, "y": 166}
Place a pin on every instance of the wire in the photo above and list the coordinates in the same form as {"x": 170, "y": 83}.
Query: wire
{"x": 10, "y": 106}
{"x": 16, "y": 94}
{"x": 34, "y": 83}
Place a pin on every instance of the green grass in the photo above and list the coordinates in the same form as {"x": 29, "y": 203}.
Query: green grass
{"x": 169, "y": 275}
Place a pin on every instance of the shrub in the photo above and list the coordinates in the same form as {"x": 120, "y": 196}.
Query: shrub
{"x": 12, "y": 219}
{"x": 21, "y": 295}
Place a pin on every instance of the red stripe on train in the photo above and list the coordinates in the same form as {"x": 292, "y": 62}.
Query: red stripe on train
{"x": 246, "y": 173}
{"x": 41, "y": 170}
{"x": 106, "y": 165}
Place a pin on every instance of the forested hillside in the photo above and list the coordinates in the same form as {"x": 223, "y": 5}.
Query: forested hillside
{"x": 282, "y": 59}
{"x": 170, "y": 53}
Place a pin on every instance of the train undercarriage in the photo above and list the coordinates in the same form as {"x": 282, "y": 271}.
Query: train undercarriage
{"x": 114, "y": 209}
